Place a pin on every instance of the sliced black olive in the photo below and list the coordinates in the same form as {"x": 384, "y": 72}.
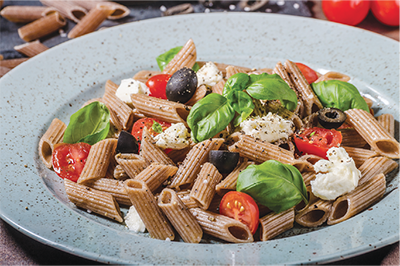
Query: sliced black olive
{"x": 331, "y": 117}
{"x": 182, "y": 85}
{"x": 127, "y": 143}
{"x": 224, "y": 161}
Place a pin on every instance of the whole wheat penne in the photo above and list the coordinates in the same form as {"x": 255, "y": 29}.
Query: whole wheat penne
{"x": 41, "y": 27}
{"x": 333, "y": 75}
{"x": 311, "y": 199}
{"x": 308, "y": 176}
{"x": 120, "y": 11}
{"x": 274, "y": 224}
{"x": 132, "y": 164}
{"x": 114, "y": 187}
{"x": 146, "y": 206}
{"x": 215, "y": 202}
{"x": 387, "y": 122}
{"x": 358, "y": 200}
{"x": 360, "y": 155}
{"x": 144, "y": 75}
{"x": 199, "y": 94}
{"x": 110, "y": 87}
{"x": 97, "y": 162}
{"x": 203, "y": 190}
{"x": 119, "y": 173}
{"x": 11, "y": 63}
{"x": 93, "y": 200}
{"x": 151, "y": 152}
{"x": 351, "y": 138}
{"x": 311, "y": 158}
{"x": 67, "y": 9}
{"x": 23, "y": 14}
{"x": 111, "y": 167}
{"x": 306, "y": 93}
{"x": 232, "y": 70}
{"x": 4, "y": 70}
{"x": 184, "y": 195}
{"x": 191, "y": 166}
{"x": 31, "y": 49}
{"x": 229, "y": 182}
{"x": 179, "y": 155}
{"x": 259, "y": 71}
{"x": 91, "y": 21}
{"x": 155, "y": 175}
{"x": 186, "y": 57}
{"x": 373, "y": 133}
{"x": 374, "y": 166}
{"x": 53, "y": 135}
{"x": 222, "y": 226}
{"x": 180, "y": 217}
{"x": 219, "y": 87}
{"x": 168, "y": 111}
{"x": 368, "y": 101}
{"x": 315, "y": 214}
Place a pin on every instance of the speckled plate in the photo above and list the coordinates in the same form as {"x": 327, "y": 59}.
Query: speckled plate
{"x": 57, "y": 82}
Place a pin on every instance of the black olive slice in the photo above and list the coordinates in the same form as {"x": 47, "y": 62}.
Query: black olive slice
{"x": 331, "y": 117}
{"x": 182, "y": 85}
{"x": 224, "y": 161}
{"x": 127, "y": 143}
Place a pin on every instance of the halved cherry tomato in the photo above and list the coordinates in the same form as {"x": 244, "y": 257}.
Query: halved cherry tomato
{"x": 157, "y": 84}
{"x": 317, "y": 140}
{"x": 69, "y": 159}
{"x": 350, "y": 12}
{"x": 308, "y": 73}
{"x": 386, "y": 11}
{"x": 241, "y": 207}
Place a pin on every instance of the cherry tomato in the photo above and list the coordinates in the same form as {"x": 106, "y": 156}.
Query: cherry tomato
{"x": 241, "y": 207}
{"x": 350, "y": 12}
{"x": 157, "y": 84}
{"x": 386, "y": 12}
{"x": 317, "y": 140}
{"x": 69, "y": 159}
{"x": 308, "y": 73}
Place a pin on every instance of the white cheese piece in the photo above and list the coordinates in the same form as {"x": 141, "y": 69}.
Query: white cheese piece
{"x": 128, "y": 87}
{"x": 335, "y": 177}
{"x": 209, "y": 75}
{"x": 133, "y": 221}
{"x": 268, "y": 128}
{"x": 175, "y": 137}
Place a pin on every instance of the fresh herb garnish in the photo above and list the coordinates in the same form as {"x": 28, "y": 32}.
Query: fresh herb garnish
{"x": 157, "y": 127}
{"x": 165, "y": 58}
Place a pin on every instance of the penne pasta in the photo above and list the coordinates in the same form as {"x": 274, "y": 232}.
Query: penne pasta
{"x": 219, "y": 87}
{"x": 131, "y": 164}
{"x": 189, "y": 202}
{"x": 315, "y": 214}
{"x": 333, "y": 75}
{"x": 41, "y": 27}
{"x": 186, "y": 57}
{"x": 119, "y": 173}
{"x": 273, "y": 224}
{"x": 11, "y": 63}
{"x": 113, "y": 187}
{"x": 24, "y": 14}
{"x": 199, "y": 94}
{"x": 31, "y": 49}
{"x": 67, "y": 9}
{"x": 120, "y": 11}
{"x": 150, "y": 152}
{"x": 232, "y": 70}
{"x": 360, "y": 155}
{"x": 387, "y": 122}
{"x": 155, "y": 175}
{"x": 351, "y": 138}
{"x": 229, "y": 182}
{"x": 375, "y": 166}
{"x": 144, "y": 75}
{"x": 4, "y": 70}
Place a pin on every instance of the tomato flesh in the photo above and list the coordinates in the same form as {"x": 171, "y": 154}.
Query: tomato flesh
{"x": 69, "y": 159}
{"x": 386, "y": 11}
{"x": 317, "y": 141}
{"x": 241, "y": 207}
{"x": 157, "y": 85}
{"x": 349, "y": 12}
{"x": 308, "y": 73}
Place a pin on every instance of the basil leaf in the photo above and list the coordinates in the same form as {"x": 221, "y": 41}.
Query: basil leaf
{"x": 165, "y": 58}
{"x": 273, "y": 184}
{"x": 234, "y": 84}
{"x": 157, "y": 127}
{"x": 339, "y": 94}
{"x": 272, "y": 87}
{"x": 89, "y": 124}
{"x": 242, "y": 104}
{"x": 209, "y": 116}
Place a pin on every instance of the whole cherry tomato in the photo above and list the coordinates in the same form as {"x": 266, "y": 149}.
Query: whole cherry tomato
{"x": 386, "y": 12}
{"x": 157, "y": 84}
{"x": 317, "y": 140}
{"x": 350, "y": 12}
{"x": 308, "y": 73}
{"x": 241, "y": 207}
{"x": 69, "y": 159}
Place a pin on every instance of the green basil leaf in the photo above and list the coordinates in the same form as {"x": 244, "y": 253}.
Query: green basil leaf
{"x": 273, "y": 184}
{"x": 90, "y": 124}
{"x": 157, "y": 127}
{"x": 272, "y": 87}
{"x": 243, "y": 104}
{"x": 209, "y": 116}
{"x": 339, "y": 94}
{"x": 234, "y": 84}
{"x": 195, "y": 67}
{"x": 163, "y": 59}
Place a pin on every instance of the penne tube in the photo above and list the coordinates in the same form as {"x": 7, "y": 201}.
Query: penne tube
{"x": 311, "y": 199}
{"x": 144, "y": 75}
{"x": 155, "y": 175}
{"x": 186, "y": 57}
{"x": 368, "y": 101}
{"x": 93, "y": 200}
{"x": 11, "y": 63}
{"x": 184, "y": 195}
{"x": 113, "y": 187}
{"x": 150, "y": 152}
{"x": 41, "y": 27}
{"x": 168, "y": 111}
{"x": 315, "y": 214}
{"x": 146, "y": 206}
{"x": 360, "y": 155}
{"x": 229, "y": 182}
{"x": 110, "y": 87}
{"x": 199, "y": 94}
{"x": 222, "y": 227}
{"x": 358, "y": 200}
{"x": 131, "y": 164}
{"x": 31, "y": 49}
{"x": 351, "y": 138}
{"x": 387, "y": 122}
{"x": 307, "y": 177}
{"x": 120, "y": 11}
{"x": 24, "y": 14}
{"x": 91, "y": 21}
{"x": 191, "y": 166}
{"x": 180, "y": 217}
{"x": 274, "y": 224}
{"x": 203, "y": 190}
{"x": 178, "y": 156}
{"x": 97, "y": 162}
{"x": 119, "y": 173}
{"x": 4, "y": 70}
{"x": 111, "y": 168}
{"x": 219, "y": 87}
{"x": 232, "y": 70}
{"x": 333, "y": 75}
{"x": 373, "y": 133}
{"x": 67, "y": 9}
{"x": 375, "y": 166}
{"x": 53, "y": 135}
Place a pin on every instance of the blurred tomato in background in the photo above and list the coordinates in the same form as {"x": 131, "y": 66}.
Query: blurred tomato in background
{"x": 386, "y": 11}
{"x": 349, "y": 12}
